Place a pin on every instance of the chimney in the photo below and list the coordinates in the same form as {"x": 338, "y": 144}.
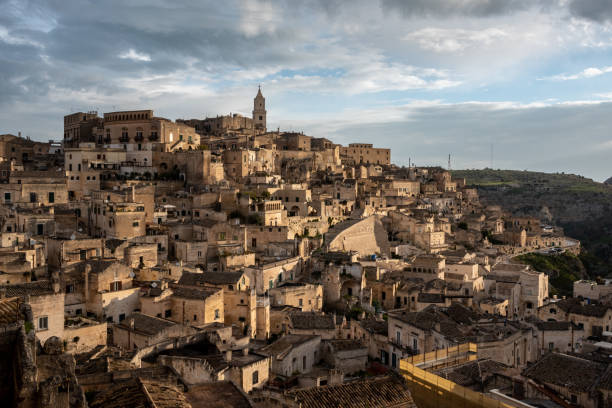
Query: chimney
{"x": 228, "y": 355}
{"x": 132, "y": 323}
{"x": 133, "y": 194}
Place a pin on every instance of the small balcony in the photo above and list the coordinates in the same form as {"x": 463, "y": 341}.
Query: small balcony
{"x": 124, "y": 139}
{"x": 139, "y": 138}
{"x": 153, "y": 137}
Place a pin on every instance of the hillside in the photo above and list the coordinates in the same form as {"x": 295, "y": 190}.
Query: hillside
{"x": 580, "y": 205}
{"x": 562, "y": 270}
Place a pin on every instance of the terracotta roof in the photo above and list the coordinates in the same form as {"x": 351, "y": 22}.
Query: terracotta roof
{"x": 562, "y": 369}
{"x": 345, "y": 344}
{"x": 137, "y": 393}
{"x": 554, "y": 326}
{"x": 211, "y": 278}
{"x": 9, "y": 311}
{"x": 575, "y": 306}
{"x": 310, "y": 321}
{"x": 221, "y": 394}
{"x": 113, "y": 243}
{"x": 146, "y": 324}
{"x": 193, "y": 293}
{"x": 375, "y": 326}
{"x": 431, "y": 298}
{"x": 285, "y": 344}
{"x": 38, "y": 288}
{"x": 473, "y": 373}
{"x": 378, "y": 392}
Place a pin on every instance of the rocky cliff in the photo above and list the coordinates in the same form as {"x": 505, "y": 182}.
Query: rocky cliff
{"x": 581, "y": 206}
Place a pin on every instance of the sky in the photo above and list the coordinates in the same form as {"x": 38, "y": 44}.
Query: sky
{"x": 511, "y": 84}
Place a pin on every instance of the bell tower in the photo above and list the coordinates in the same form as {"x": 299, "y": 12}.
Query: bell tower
{"x": 259, "y": 111}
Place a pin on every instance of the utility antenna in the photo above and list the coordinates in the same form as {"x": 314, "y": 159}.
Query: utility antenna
{"x": 491, "y": 156}
{"x": 449, "y": 162}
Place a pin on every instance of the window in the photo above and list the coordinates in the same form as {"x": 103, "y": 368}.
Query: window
{"x": 115, "y": 286}
{"x": 122, "y": 317}
{"x": 168, "y": 313}
{"x": 255, "y": 377}
{"x": 304, "y": 363}
{"x": 135, "y": 224}
{"x": 300, "y": 302}
{"x": 398, "y": 337}
{"x": 221, "y": 236}
{"x": 551, "y": 346}
{"x": 43, "y": 323}
{"x": 195, "y": 318}
{"x": 51, "y": 197}
{"x": 7, "y": 197}
{"x": 216, "y": 314}
{"x": 70, "y": 288}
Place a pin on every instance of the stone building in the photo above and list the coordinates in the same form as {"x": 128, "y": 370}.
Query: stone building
{"x": 139, "y": 330}
{"x": 305, "y": 296}
{"x": 46, "y": 301}
{"x": 196, "y": 306}
{"x": 365, "y": 153}
{"x": 293, "y": 354}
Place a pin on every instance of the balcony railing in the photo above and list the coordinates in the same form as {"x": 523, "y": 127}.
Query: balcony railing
{"x": 124, "y": 139}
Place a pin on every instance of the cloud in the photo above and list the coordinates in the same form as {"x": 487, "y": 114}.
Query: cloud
{"x": 538, "y": 136}
{"x": 455, "y": 40}
{"x": 359, "y": 64}
{"x": 475, "y": 8}
{"x": 595, "y": 10}
{"x": 135, "y": 55}
{"x": 584, "y": 74}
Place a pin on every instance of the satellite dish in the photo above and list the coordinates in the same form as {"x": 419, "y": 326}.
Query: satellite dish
{"x": 154, "y": 285}
{"x": 132, "y": 274}
{"x": 72, "y": 237}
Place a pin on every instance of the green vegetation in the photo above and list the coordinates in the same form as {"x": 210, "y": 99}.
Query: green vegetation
{"x": 563, "y": 270}
{"x": 29, "y": 326}
{"x": 581, "y": 206}
{"x": 517, "y": 178}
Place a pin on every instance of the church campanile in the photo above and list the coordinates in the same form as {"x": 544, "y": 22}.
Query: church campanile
{"x": 259, "y": 111}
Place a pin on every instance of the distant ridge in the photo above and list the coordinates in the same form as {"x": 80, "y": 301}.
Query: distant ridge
{"x": 608, "y": 181}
